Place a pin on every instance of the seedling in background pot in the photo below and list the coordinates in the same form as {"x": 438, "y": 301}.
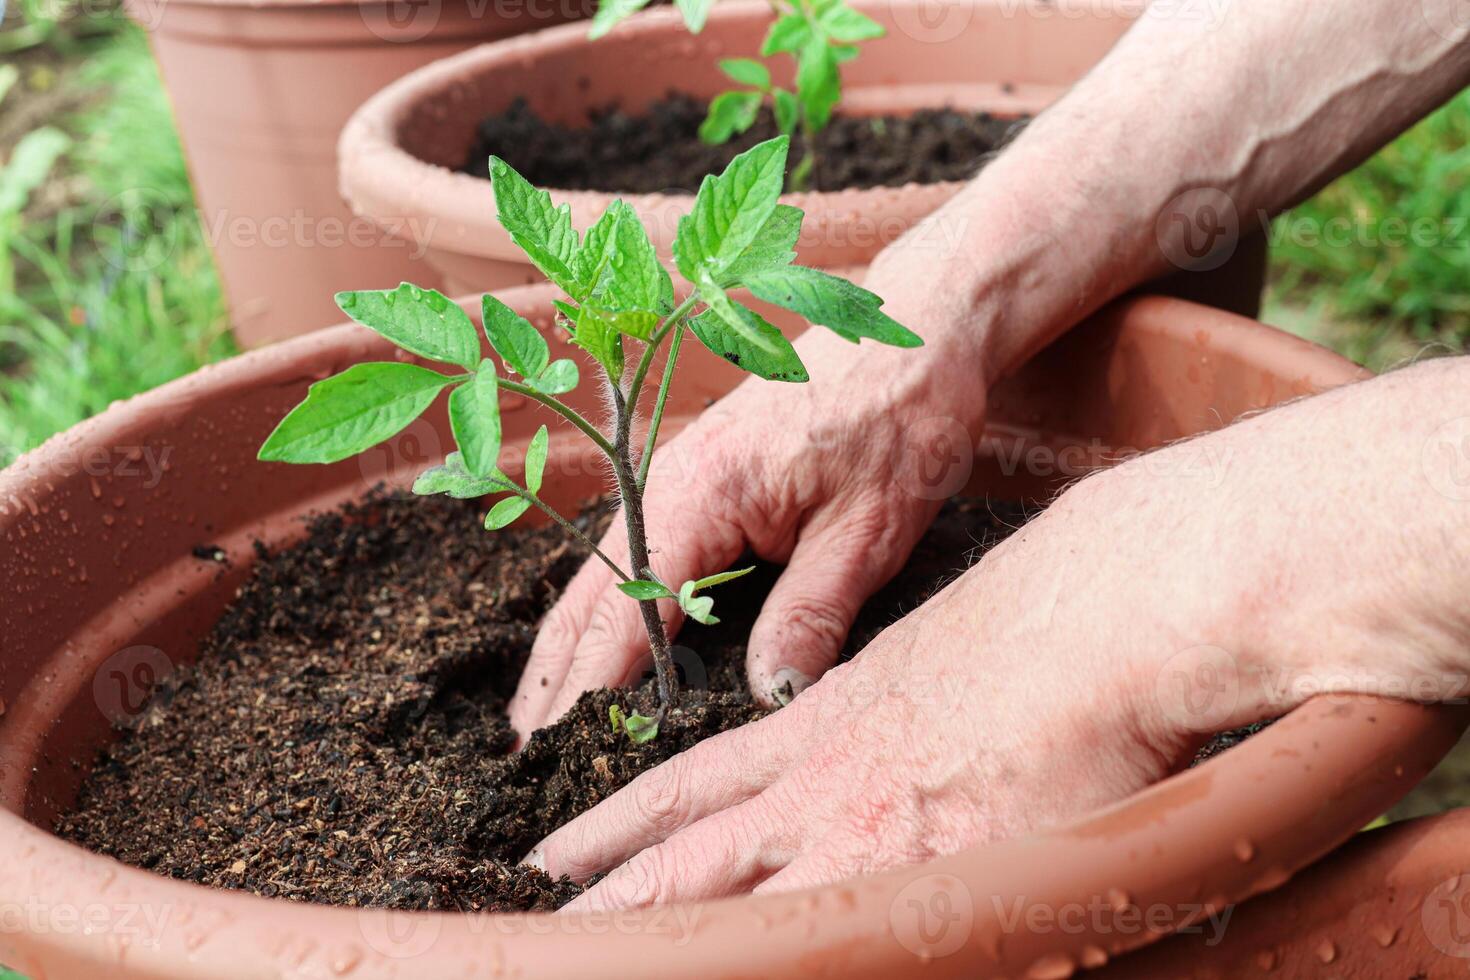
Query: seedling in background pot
{"x": 819, "y": 34}
{"x": 621, "y": 309}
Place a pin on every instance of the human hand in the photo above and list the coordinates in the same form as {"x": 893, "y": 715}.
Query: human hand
{"x": 1006, "y": 702}
{"x": 1085, "y": 657}
{"x": 810, "y": 476}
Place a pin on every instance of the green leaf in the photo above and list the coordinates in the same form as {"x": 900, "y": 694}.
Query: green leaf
{"x": 452, "y": 478}
{"x": 787, "y": 109}
{"x": 640, "y": 728}
{"x": 536, "y": 459}
{"x": 710, "y": 581}
{"x": 616, "y": 716}
{"x": 843, "y": 24}
{"x": 610, "y": 13}
{"x": 421, "y": 321}
{"x": 622, "y": 272}
{"x": 774, "y": 245}
{"x": 695, "y": 12}
{"x": 353, "y": 411}
{"x": 541, "y": 230}
{"x": 598, "y": 335}
{"x": 474, "y": 416}
{"x": 698, "y": 608}
{"x": 557, "y": 378}
{"x": 730, "y": 209}
{"x": 506, "y": 512}
{"x": 789, "y": 34}
{"x": 642, "y": 589}
{"x": 730, "y": 113}
{"x": 771, "y": 358}
{"x": 847, "y": 309}
{"x": 818, "y": 83}
{"x": 514, "y": 338}
{"x": 29, "y": 164}
{"x": 747, "y": 71}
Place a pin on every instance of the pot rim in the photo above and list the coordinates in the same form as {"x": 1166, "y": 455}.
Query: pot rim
{"x": 379, "y": 177}
{"x": 1240, "y": 824}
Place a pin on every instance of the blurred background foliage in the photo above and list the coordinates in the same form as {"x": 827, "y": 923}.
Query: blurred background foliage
{"x": 107, "y": 287}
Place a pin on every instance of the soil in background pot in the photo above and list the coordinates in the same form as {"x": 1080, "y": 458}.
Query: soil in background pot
{"x": 342, "y": 738}
{"x": 660, "y": 150}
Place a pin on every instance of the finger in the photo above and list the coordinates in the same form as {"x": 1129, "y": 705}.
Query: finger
{"x": 727, "y": 854}
{"x": 556, "y": 640}
{"x": 716, "y": 774}
{"x": 813, "y": 869}
{"x": 689, "y": 541}
{"x": 836, "y": 565}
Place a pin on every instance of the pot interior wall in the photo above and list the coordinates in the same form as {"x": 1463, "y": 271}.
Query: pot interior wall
{"x": 971, "y": 56}
{"x": 111, "y": 530}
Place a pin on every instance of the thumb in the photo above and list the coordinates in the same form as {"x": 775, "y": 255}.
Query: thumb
{"x": 806, "y": 618}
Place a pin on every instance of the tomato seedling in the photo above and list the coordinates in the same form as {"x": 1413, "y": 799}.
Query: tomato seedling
{"x": 621, "y": 308}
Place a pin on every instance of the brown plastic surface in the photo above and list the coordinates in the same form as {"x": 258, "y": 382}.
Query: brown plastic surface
{"x": 260, "y": 91}
{"x": 400, "y": 152}
{"x": 98, "y": 575}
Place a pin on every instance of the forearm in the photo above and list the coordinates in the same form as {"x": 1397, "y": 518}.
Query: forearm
{"x": 1251, "y": 112}
{"x": 1320, "y": 547}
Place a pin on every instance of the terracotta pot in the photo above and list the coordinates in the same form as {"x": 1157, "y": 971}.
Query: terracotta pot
{"x": 1393, "y": 902}
{"x": 400, "y": 153}
{"x": 105, "y": 593}
{"x": 260, "y": 91}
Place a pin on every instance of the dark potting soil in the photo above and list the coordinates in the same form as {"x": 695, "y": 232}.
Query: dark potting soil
{"x": 660, "y": 150}
{"x": 342, "y": 737}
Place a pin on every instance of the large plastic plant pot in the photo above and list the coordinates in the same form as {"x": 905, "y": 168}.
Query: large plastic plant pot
{"x": 103, "y": 596}
{"x": 260, "y": 91}
{"x": 402, "y": 152}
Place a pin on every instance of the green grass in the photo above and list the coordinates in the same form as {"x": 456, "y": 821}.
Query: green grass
{"x": 116, "y": 293}
{"x": 1385, "y": 250}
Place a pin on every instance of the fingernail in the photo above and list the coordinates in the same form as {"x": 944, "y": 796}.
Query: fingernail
{"x": 787, "y": 683}
{"x": 536, "y": 859}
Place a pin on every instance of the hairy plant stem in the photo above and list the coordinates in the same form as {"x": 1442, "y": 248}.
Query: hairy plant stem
{"x": 635, "y": 386}
{"x": 632, "y": 498}
{"x": 658, "y": 407}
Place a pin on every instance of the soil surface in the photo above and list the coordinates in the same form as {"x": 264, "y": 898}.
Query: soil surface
{"x": 660, "y": 150}
{"x": 342, "y": 738}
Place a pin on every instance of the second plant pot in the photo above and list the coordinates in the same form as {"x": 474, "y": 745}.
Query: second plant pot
{"x": 401, "y": 154}
{"x": 260, "y": 90}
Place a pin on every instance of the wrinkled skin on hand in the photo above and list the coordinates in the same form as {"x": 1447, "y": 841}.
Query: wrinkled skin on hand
{"x": 997, "y": 707}
{"x": 822, "y": 477}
